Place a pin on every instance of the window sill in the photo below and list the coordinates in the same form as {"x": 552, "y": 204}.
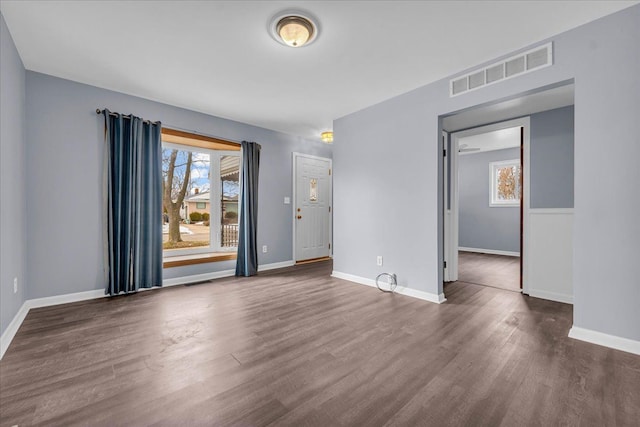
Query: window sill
{"x": 179, "y": 261}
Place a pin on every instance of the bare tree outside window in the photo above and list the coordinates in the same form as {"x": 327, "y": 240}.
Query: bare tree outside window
{"x": 176, "y": 174}
{"x": 184, "y": 173}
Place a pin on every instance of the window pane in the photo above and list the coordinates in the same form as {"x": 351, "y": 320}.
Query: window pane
{"x": 313, "y": 190}
{"x": 229, "y": 191}
{"x": 185, "y": 199}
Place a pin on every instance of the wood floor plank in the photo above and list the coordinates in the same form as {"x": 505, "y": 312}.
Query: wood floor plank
{"x": 295, "y": 347}
{"x": 499, "y": 271}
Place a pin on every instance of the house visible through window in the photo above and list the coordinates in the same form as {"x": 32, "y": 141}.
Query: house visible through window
{"x": 200, "y": 194}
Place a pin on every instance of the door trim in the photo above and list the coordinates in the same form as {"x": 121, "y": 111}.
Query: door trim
{"x": 447, "y": 212}
{"x": 452, "y": 237}
{"x": 294, "y": 159}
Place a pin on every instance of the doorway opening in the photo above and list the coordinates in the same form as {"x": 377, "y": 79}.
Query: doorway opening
{"x": 545, "y": 117}
{"x": 485, "y": 192}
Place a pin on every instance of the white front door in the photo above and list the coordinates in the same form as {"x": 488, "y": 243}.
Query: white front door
{"x": 312, "y": 208}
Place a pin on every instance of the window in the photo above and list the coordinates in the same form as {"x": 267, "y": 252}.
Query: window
{"x": 506, "y": 183}
{"x": 200, "y": 194}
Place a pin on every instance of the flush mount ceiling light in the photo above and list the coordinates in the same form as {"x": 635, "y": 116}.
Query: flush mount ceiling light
{"x": 327, "y": 137}
{"x": 294, "y": 28}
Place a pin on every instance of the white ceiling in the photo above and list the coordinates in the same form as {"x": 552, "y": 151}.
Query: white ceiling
{"x": 218, "y": 57}
{"x": 489, "y": 141}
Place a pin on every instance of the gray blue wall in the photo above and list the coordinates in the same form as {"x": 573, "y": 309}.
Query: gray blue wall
{"x": 481, "y": 226}
{"x": 393, "y": 149}
{"x": 551, "y": 154}
{"x": 12, "y": 178}
{"x": 64, "y": 158}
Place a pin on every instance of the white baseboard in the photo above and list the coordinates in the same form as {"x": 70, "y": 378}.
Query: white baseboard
{"x": 552, "y": 296}
{"x": 276, "y": 265}
{"x": 65, "y": 299}
{"x": 606, "y": 340}
{"x": 185, "y": 280}
{"x": 353, "y": 278}
{"x": 488, "y": 251}
{"x": 414, "y": 293}
{"x": 12, "y": 329}
{"x": 220, "y": 274}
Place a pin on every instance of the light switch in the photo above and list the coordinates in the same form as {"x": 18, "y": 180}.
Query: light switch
{"x": 287, "y": 200}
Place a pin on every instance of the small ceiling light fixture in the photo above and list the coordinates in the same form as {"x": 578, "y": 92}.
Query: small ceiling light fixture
{"x": 327, "y": 137}
{"x": 293, "y": 28}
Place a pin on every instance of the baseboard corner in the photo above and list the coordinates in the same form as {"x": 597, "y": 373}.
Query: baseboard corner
{"x": 12, "y": 329}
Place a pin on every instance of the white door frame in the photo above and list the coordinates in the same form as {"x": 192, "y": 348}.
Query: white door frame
{"x": 294, "y": 199}
{"x": 447, "y": 211}
{"x": 451, "y": 235}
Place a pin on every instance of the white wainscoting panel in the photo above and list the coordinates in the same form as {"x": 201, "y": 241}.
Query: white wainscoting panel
{"x": 551, "y": 254}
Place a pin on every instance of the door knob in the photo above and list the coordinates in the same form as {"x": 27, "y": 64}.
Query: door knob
{"x": 299, "y": 216}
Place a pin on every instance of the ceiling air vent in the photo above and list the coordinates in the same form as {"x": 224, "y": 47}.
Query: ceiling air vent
{"x": 476, "y": 80}
{"x": 523, "y": 63}
{"x": 495, "y": 73}
{"x": 459, "y": 86}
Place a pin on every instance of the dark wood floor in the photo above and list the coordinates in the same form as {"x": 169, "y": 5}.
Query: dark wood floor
{"x": 499, "y": 271}
{"x": 299, "y": 348}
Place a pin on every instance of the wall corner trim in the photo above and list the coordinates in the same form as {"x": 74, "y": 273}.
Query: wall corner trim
{"x": 13, "y": 327}
{"x": 605, "y": 340}
{"x": 414, "y": 293}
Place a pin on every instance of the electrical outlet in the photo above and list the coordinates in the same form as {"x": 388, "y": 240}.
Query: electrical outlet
{"x": 15, "y": 285}
{"x": 264, "y": 249}
{"x": 379, "y": 260}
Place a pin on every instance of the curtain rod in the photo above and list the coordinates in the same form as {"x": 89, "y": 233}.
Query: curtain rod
{"x": 124, "y": 116}
{"x": 168, "y": 126}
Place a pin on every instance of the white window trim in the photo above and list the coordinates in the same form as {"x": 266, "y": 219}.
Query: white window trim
{"x": 493, "y": 200}
{"x": 214, "y": 194}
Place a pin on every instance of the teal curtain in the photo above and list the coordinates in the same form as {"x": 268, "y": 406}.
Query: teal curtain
{"x": 247, "y": 262}
{"x": 133, "y": 203}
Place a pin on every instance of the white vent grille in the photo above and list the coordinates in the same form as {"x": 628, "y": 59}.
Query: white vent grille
{"x": 476, "y": 80}
{"x": 459, "y": 86}
{"x": 534, "y": 59}
{"x": 495, "y": 73}
{"x": 515, "y": 66}
{"x": 537, "y": 58}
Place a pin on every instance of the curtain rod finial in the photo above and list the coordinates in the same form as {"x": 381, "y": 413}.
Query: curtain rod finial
{"x": 98, "y": 111}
